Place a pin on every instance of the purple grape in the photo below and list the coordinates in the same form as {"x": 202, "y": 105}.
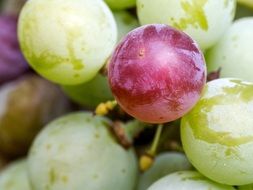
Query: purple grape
{"x": 12, "y": 62}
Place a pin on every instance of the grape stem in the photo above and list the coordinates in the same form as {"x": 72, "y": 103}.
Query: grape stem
{"x": 155, "y": 142}
{"x": 147, "y": 160}
{"x": 126, "y": 132}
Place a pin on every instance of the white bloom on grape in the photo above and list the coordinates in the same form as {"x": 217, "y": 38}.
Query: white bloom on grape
{"x": 67, "y": 42}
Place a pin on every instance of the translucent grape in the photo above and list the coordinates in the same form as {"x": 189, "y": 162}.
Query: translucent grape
{"x": 185, "y": 180}
{"x": 15, "y": 177}
{"x": 78, "y": 152}
{"x": 233, "y": 53}
{"x": 217, "y": 134}
{"x": 164, "y": 164}
{"x": 67, "y": 42}
{"x": 157, "y": 73}
{"x": 204, "y": 20}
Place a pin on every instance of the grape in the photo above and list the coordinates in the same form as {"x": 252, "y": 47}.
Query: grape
{"x": 26, "y": 105}
{"x": 12, "y": 62}
{"x": 15, "y": 176}
{"x": 233, "y": 53}
{"x": 204, "y": 20}
{"x": 3, "y": 162}
{"x": 243, "y": 11}
{"x": 78, "y": 152}
{"x": 67, "y": 42}
{"x": 12, "y": 7}
{"x": 164, "y": 164}
{"x": 217, "y": 134}
{"x": 248, "y": 3}
{"x": 246, "y": 187}
{"x": 125, "y": 23}
{"x": 90, "y": 94}
{"x": 120, "y": 4}
{"x": 185, "y": 180}
{"x": 157, "y": 73}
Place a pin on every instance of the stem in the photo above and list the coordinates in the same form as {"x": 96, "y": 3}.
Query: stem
{"x": 126, "y": 132}
{"x": 155, "y": 142}
{"x": 147, "y": 160}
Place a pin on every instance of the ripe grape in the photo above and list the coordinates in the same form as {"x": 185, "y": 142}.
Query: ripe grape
{"x": 15, "y": 176}
{"x": 78, "y": 152}
{"x": 233, "y": 53}
{"x": 204, "y": 20}
{"x": 91, "y": 93}
{"x": 185, "y": 180}
{"x": 120, "y": 4}
{"x": 217, "y": 134}
{"x": 67, "y": 42}
{"x": 12, "y": 62}
{"x": 164, "y": 164}
{"x": 26, "y": 105}
{"x": 125, "y": 23}
{"x": 157, "y": 73}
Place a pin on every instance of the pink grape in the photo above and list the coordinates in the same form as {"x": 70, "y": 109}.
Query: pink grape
{"x": 157, "y": 73}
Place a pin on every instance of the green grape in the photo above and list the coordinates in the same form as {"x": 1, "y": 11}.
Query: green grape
{"x": 125, "y": 23}
{"x": 248, "y": 3}
{"x": 246, "y": 187}
{"x": 243, "y": 11}
{"x": 164, "y": 164}
{"x": 67, "y": 42}
{"x": 90, "y": 94}
{"x": 79, "y": 152}
{"x": 120, "y": 4}
{"x": 233, "y": 53}
{"x": 217, "y": 134}
{"x": 204, "y": 20}
{"x": 14, "y": 176}
{"x": 185, "y": 180}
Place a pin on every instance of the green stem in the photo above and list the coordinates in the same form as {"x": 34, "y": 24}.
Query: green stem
{"x": 155, "y": 142}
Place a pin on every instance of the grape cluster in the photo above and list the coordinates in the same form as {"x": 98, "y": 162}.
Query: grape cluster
{"x": 126, "y": 95}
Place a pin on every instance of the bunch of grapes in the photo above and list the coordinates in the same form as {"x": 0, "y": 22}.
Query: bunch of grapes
{"x": 126, "y": 95}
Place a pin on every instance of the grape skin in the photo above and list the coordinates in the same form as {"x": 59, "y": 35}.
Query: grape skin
{"x": 157, "y": 73}
{"x": 26, "y": 105}
{"x": 125, "y": 23}
{"x": 217, "y": 134}
{"x": 164, "y": 164}
{"x": 233, "y": 53}
{"x": 185, "y": 180}
{"x": 67, "y": 42}
{"x": 91, "y": 93}
{"x": 14, "y": 176}
{"x": 120, "y": 4}
{"x": 78, "y": 152}
{"x": 12, "y": 62}
{"x": 204, "y": 20}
